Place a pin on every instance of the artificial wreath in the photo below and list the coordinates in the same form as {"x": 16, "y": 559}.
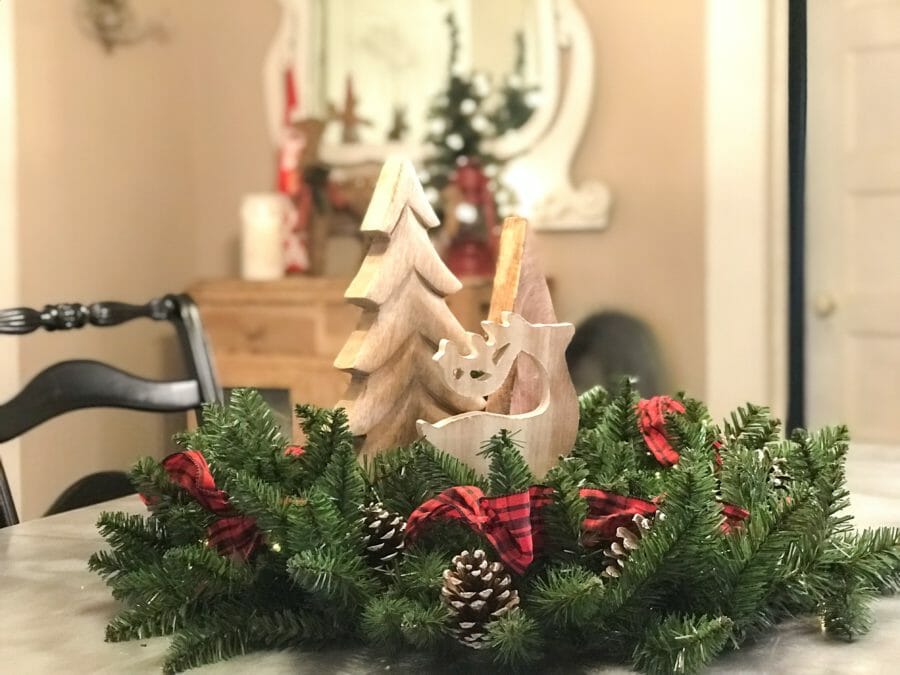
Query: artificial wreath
{"x": 660, "y": 540}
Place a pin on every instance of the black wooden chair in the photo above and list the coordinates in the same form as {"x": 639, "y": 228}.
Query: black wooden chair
{"x": 73, "y": 385}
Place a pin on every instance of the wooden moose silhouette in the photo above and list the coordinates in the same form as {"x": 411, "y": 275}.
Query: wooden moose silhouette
{"x": 544, "y": 432}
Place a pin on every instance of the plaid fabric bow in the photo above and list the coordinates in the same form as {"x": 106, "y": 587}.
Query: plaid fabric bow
{"x": 608, "y": 511}
{"x": 230, "y": 533}
{"x": 652, "y": 424}
{"x": 512, "y": 523}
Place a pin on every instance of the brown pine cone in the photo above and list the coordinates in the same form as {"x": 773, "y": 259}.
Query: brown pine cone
{"x": 476, "y": 591}
{"x": 383, "y": 533}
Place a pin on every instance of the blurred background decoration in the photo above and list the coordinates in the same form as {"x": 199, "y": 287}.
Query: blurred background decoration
{"x": 113, "y": 23}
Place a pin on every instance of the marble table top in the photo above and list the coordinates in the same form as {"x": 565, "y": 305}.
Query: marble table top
{"x": 53, "y": 610}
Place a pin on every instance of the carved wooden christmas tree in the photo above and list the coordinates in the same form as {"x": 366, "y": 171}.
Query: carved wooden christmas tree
{"x": 401, "y": 287}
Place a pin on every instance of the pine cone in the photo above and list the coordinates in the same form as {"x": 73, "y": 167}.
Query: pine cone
{"x": 384, "y": 533}
{"x": 777, "y": 474}
{"x": 626, "y": 541}
{"x": 476, "y": 591}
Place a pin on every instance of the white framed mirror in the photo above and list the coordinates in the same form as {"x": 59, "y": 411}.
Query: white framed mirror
{"x": 369, "y": 59}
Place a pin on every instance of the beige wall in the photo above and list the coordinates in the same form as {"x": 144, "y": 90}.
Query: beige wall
{"x": 132, "y": 167}
{"x": 645, "y": 139}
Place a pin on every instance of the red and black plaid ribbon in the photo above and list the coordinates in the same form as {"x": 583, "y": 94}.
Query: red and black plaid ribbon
{"x": 512, "y": 523}
{"x": 231, "y": 533}
{"x": 608, "y": 511}
{"x": 652, "y": 424}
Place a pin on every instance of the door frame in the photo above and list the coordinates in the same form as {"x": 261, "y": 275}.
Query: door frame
{"x": 746, "y": 161}
{"x": 9, "y": 269}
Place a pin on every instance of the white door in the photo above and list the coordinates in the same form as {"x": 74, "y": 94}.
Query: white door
{"x": 853, "y": 217}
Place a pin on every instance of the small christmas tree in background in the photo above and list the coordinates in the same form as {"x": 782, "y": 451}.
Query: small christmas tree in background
{"x": 518, "y": 100}
{"x": 459, "y": 123}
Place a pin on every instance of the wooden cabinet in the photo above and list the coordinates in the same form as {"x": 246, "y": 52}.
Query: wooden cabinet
{"x": 281, "y": 337}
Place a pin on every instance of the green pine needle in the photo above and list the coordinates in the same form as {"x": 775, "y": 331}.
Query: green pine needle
{"x": 681, "y": 644}
{"x": 509, "y": 472}
{"x": 334, "y": 574}
{"x": 567, "y": 597}
{"x": 515, "y": 639}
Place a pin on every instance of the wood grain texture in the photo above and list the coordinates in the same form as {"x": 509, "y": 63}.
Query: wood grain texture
{"x": 521, "y": 287}
{"x": 401, "y": 287}
{"x": 546, "y": 431}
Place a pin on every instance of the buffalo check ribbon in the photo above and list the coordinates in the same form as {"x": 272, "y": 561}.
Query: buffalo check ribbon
{"x": 512, "y": 523}
{"x": 608, "y": 511}
{"x": 652, "y": 424}
{"x": 230, "y": 533}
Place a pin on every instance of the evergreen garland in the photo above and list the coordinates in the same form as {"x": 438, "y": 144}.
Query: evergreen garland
{"x": 690, "y": 589}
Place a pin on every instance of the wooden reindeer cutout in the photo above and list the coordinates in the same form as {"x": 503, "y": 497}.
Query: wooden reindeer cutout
{"x": 401, "y": 287}
{"x": 544, "y": 432}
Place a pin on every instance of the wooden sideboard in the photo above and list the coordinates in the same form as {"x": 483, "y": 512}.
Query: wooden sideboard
{"x": 282, "y": 337}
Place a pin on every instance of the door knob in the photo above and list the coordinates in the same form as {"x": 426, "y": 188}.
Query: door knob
{"x": 824, "y": 305}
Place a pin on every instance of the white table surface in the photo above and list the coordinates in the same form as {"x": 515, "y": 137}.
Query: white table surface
{"x": 53, "y": 611}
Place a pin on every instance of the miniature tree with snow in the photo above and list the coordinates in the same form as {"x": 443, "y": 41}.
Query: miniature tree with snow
{"x": 400, "y": 287}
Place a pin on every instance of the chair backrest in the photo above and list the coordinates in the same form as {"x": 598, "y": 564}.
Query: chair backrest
{"x": 73, "y": 385}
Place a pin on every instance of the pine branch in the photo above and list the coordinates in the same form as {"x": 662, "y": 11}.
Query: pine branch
{"x": 382, "y": 620}
{"x": 564, "y": 515}
{"x": 751, "y": 426}
{"x": 591, "y": 405}
{"x": 342, "y": 479}
{"x": 275, "y": 514}
{"x": 846, "y": 612}
{"x": 681, "y": 644}
{"x": 759, "y": 558}
{"x": 395, "y": 482}
{"x": 871, "y": 557}
{"x": 818, "y": 460}
{"x": 744, "y": 478}
{"x": 127, "y": 532}
{"x": 675, "y": 552}
{"x": 509, "y": 472}
{"x": 424, "y": 626}
{"x": 335, "y": 575}
{"x": 420, "y": 573}
{"x": 567, "y": 597}
{"x": 140, "y": 623}
{"x": 325, "y": 430}
{"x": 235, "y": 628}
{"x": 439, "y": 471}
{"x": 514, "y": 639}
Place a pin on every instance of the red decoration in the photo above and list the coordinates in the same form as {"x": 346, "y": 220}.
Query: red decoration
{"x": 652, "y": 423}
{"x": 512, "y": 523}
{"x": 231, "y": 533}
{"x": 608, "y": 511}
{"x": 294, "y": 450}
{"x": 470, "y": 257}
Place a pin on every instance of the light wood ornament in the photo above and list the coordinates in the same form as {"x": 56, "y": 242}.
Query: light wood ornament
{"x": 521, "y": 287}
{"x": 401, "y": 287}
{"x": 545, "y": 432}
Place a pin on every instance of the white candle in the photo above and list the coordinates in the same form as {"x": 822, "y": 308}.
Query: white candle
{"x": 262, "y": 255}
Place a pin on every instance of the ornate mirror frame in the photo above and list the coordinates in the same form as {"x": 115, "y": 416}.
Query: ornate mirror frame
{"x": 537, "y": 157}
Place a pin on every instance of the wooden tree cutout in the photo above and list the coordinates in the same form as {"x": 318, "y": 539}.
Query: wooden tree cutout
{"x": 401, "y": 287}
{"x": 546, "y": 431}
